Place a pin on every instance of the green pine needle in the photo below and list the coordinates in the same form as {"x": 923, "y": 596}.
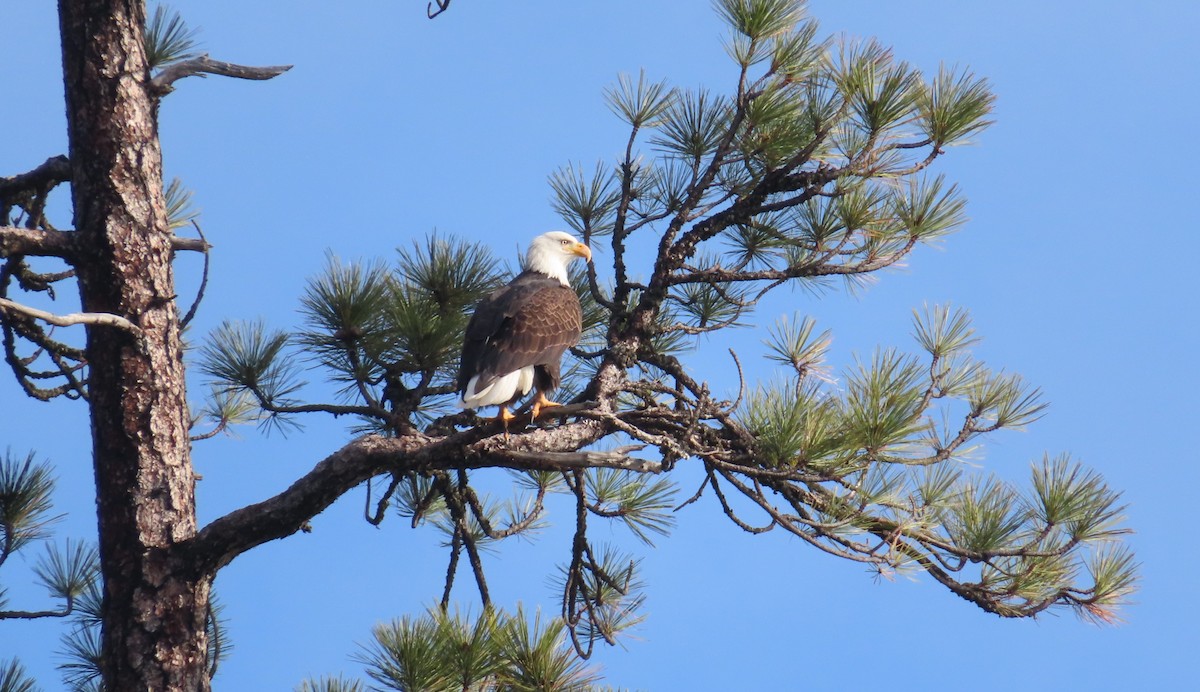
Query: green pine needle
{"x": 796, "y": 426}
{"x": 885, "y": 94}
{"x": 759, "y": 20}
{"x": 330, "y": 683}
{"x": 796, "y": 345}
{"x": 452, "y": 273}
{"x": 247, "y": 356}
{"x": 1114, "y": 575}
{"x": 586, "y": 203}
{"x": 1066, "y": 494}
{"x": 943, "y": 331}
{"x": 168, "y": 38}
{"x": 447, "y": 651}
{"x": 67, "y": 573}
{"x": 416, "y": 499}
{"x": 955, "y": 106}
{"x": 1006, "y": 400}
{"x": 538, "y": 657}
{"x": 926, "y": 211}
{"x": 756, "y": 244}
{"x": 883, "y": 401}
{"x": 797, "y": 56}
{"x": 178, "y": 200}
{"x": 469, "y": 649}
{"x": 226, "y": 408}
{"x": 692, "y": 125}
{"x": 644, "y": 503}
{"x": 26, "y": 487}
{"x": 14, "y": 679}
{"x": 615, "y": 593}
{"x": 343, "y": 304}
{"x": 710, "y": 305}
{"x": 641, "y": 104}
{"x": 985, "y": 517}
{"x": 938, "y": 485}
{"x": 407, "y": 654}
{"x": 81, "y": 651}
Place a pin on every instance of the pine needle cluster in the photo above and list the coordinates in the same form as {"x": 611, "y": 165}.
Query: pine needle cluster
{"x": 444, "y": 651}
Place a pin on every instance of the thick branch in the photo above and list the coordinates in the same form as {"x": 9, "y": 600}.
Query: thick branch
{"x": 64, "y": 244}
{"x": 163, "y": 81}
{"x": 217, "y": 544}
{"x": 36, "y": 243}
{"x": 615, "y": 459}
{"x": 56, "y": 169}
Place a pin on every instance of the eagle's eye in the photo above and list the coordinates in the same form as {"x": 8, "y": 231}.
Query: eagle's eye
{"x": 564, "y": 243}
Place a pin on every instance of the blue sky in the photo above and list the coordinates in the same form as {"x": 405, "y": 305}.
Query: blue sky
{"x": 1076, "y": 265}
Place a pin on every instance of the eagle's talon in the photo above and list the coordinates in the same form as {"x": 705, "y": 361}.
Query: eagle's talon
{"x": 540, "y": 404}
{"x": 504, "y": 419}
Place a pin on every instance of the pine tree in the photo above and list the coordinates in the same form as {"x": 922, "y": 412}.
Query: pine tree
{"x": 813, "y": 163}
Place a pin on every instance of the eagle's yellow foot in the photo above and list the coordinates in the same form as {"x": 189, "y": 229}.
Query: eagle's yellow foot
{"x": 504, "y": 419}
{"x": 540, "y": 402}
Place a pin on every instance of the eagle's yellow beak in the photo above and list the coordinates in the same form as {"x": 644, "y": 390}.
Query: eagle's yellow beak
{"x": 583, "y": 251}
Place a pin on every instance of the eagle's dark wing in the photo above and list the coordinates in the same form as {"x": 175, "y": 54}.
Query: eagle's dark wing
{"x": 531, "y": 321}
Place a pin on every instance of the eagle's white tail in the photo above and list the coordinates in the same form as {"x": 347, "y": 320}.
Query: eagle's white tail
{"x": 500, "y": 391}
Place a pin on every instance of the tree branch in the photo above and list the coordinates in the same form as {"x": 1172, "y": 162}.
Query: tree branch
{"x": 614, "y": 459}
{"x": 162, "y": 82}
{"x": 217, "y": 544}
{"x": 36, "y": 243}
{"x": 56, "y": 169}
{"x": 64, "y": 244}
{"x": 100, "y": 318}
{"x": 34, "y": 614}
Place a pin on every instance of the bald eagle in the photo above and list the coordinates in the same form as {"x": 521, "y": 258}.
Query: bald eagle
{"x": 517, "y": 336}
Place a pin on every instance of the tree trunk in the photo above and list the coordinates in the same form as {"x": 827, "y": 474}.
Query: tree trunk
{"x": 154, "y": 605}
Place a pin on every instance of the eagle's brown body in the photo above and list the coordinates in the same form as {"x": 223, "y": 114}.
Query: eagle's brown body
{"x": 530, "y": 322}
{"x": 516, "y": 339}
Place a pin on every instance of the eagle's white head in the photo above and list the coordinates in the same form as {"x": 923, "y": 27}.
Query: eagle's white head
{"x": 550, "y": 253}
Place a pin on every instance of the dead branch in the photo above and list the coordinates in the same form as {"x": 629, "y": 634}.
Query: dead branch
{"x": 162, "y": 82}
{"x": 85, "y": 318}
{"x": 64, "y": 244}
{"x": 54, "y": 170}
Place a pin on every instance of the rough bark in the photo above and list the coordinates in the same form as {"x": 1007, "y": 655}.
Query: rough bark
{"x": 154, "y": 606}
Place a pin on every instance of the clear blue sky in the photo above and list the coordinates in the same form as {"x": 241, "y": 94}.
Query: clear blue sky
{"x": 1076, "y": 265}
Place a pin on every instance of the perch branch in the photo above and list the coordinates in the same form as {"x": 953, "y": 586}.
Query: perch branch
{"x": 616, "y": 459}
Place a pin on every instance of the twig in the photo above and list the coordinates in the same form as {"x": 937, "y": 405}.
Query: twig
{"x": 694, "y": 498}
{"x": 203, "y": 279}
{"x": 741, "y": 381}
{"x": 161, "y": 83}
{"x": 100, "y": 318}
{"x": 452, "y": 568}
{"x": 33, "y": 614}
{"x": 384, "y": 500}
